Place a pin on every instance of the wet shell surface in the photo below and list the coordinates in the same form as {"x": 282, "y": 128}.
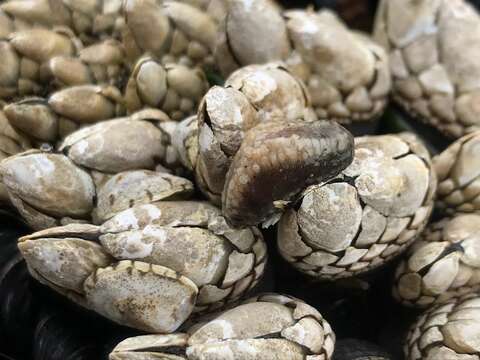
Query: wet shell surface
{"x": 367, "y": 215}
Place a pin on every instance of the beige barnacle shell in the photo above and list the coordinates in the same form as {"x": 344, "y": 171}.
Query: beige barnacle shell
{"x": 217, "y": 9}
{"x": 24, "y": 52}
{"x": 446, "y": 331}
{"x": 443, "y": 264}
{"x": 51, "y": 119}
{"x": 346, "y": 73}
{"x": 269, "y": 326}
{"x": 366, "y": 216}
{"x": 458, "y": 170}
{"x": 132, "y": 293}
{"x": 290, "y": 155}
{"x": 129, "y": 188}
{"x": 47, "y": 189}
{"x": 172, "y": 31}
{"x": 273, "y": 90}
{"x": 433, "y": 46}
{"x": 90, "y": 20}
{"x": 348, "y": 77}
{"x": 11, "y": 143}
{"x": 173, "y": 88}
{"x": 185, "y": 142}
{"x": 253, "y": 94}
{"x": 99, "y": 63}
{"x": 193, "y": 239}
{"x": 254, "y": 32}
{"x": 117, "y": 145}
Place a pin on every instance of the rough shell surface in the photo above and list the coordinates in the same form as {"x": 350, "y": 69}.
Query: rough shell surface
{"x": 141, "y": 295}
{"x": 293, "y": 155}
{"x": 447, "y": 331}
{"x": 444, "y": 263}
{"x": 458, "y": 169}
{"x": 367, "y": 215}
{"x": 193, "y": 239}
{"x": 432, "y": 47}
{"x": 346, "y": 73}
{"x": 129, "y": 188}
{"x": 268, "y": 326}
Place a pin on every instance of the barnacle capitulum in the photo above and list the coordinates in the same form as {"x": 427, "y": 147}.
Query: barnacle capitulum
{"x": 101, "y": 162}
{"x": 172, "y": 88}
{"x": 102, "y": 63}
{"x": 364, "y": 217}
{"x": 172, "y": 31}
{"x": 442, "y": 264}
{"x": 151, "y": 265}
{"x": 276, "y": 162}
{"x": 432, "y": 47}
{"x": 346, "y": 73}
{"x": 90, "y": 21}
{"x": 446, "y": 331}
{"x": 51, "y": 119}
{"x": 264, "y": 327}
{"x": 458, "y": 169}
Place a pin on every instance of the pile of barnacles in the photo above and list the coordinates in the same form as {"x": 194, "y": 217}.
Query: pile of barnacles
{"x": 148, "y": 143}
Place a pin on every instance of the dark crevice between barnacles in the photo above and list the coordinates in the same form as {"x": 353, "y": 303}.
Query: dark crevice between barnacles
{"x": 455, "y": 247}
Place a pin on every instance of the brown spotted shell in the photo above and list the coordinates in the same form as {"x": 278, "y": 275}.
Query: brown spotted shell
{"x": 132, "y": 293}
{"x": 444, "y": 263}
{"x": 264, "y": 327}
{"x": 193, "y": 239}
{"x": 458, "y": 170}
{"x": 278, "y": 160}
{"x": 367, "y": 215}
{"x": 446, "y": 331}
{"x": 432, "y": 47}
